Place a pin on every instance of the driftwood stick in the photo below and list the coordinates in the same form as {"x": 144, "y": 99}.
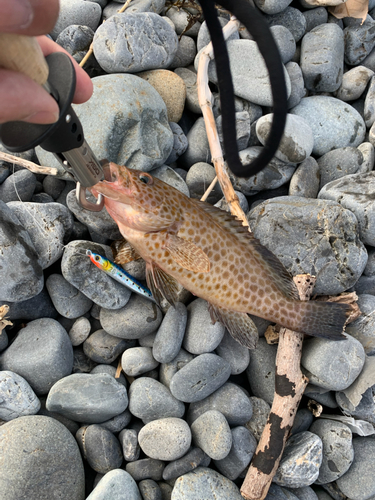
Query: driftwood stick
{"x": 33, "y": 167}
{"x": 290, "y": 385}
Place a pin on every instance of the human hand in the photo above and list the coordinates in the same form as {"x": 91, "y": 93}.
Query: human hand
{"x": 20, "y": 97}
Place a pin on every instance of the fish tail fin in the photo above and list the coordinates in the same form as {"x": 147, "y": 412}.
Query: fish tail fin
{"x": 322, "y": 319}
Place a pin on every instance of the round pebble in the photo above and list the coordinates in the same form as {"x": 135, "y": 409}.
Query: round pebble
{"x": 138, "y": 360}
{"x": 165, "y": 439}
{"x": 183, "y": 465}
{"x": 129, "y": 442}
{"x": 147, "y": 468}
{"x": 261, "y": 371}
{"x": 18, "y": 186}
{"x": 234, "y": 353}
{"x": 113, "y": 485}
{"x": 79, "y": 331}
{"x": 339, "y": 163}
{"x": 211, "y": 432}
{"x": 17, "y": 397}
{"x": 104, "y": 348}
{"x": 150, "y": 490}
{"x": 170, "y": 334}
{"x": 66, "y": 298}
{"x": 101, "y": 449}
{"x": 306, "y": 179}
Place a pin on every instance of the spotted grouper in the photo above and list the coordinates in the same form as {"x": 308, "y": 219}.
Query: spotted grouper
{"x": 211, "y": 254}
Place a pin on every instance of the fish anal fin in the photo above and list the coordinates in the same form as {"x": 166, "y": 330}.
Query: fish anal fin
{"x": 239, "y": 325}
{"x": 126, "y": 253}
{"x": 161, "y": 284}
{"x": 186, "y": 254}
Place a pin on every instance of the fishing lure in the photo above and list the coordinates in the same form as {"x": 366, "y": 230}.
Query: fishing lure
{"x": 119, "y": 275}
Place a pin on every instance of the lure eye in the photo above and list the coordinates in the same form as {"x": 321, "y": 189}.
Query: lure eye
{"x": 97, "y": 258}
{"x": 146, "y": 178}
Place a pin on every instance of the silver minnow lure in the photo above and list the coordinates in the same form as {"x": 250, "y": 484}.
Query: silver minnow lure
{"x": 119, "y": 275}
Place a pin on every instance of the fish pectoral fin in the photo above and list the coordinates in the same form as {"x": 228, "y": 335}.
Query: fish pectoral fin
{"x": 239, "y": 325}
{"x": 161, "y": 284}
{"x": 126, "y": 253}
{"x": 187, "y": 254}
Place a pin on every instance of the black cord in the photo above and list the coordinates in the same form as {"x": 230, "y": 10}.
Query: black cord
{"x": 261, "y": 33}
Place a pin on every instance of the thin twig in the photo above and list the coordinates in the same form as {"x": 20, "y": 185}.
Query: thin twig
{"x": 33, "y": 167}
{"x": 206, "y": 194}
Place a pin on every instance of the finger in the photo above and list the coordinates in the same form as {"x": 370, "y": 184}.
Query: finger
{"x": 23, "y": 99}
{"x": 84, "y": 87}
{"x": 28, "y": 17}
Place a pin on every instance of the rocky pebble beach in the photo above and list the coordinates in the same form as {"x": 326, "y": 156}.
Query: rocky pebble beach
{"x": 183, "y": 419}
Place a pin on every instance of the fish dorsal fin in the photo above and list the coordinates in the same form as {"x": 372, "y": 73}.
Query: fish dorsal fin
{"x": 126, "y": 253}
{"x": 275, "y": 268}
{"x": 187, "y": 254}
{"x": 161, "y": 284}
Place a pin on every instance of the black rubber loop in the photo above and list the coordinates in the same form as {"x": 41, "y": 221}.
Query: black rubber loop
{"x": 261, "y": 33}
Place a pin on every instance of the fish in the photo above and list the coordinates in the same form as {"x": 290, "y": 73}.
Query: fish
{"x": 119, "y": 274}
{"x": 213, "y": 255}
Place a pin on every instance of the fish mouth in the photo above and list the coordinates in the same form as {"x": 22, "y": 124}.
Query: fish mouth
{"x": 121, "y": 188}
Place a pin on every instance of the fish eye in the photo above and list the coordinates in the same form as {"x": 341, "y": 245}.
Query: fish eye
{"x": 146, "y": 178}
{"x": 114, "y": 176}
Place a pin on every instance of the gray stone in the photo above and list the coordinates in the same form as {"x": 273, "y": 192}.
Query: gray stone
{"x": 180, "y": 143}
{"x": 186, "y": 52}
{"x": 25, "y": 280}
{"x": 165, "y": 439}
{"x": 261, "y": 370}
{"x": 3, "y": 340}
{"x": 66, "y": 298}
{"x": 302, "y": 420}
{"x": 338, "y": 163}
{"x": 205, "y": 483}
{"x": 42, "y": 354}
{"x": 79, "y": 331}
{"x": 242, "y": 129}
{"x": 223, "y": 204}
{"x": 274, "y": 175}
{"x": 234, "y": 353}
{"x": 183, "y": 465}
{"x": 76, "y": 12}
{"x": 171, "y": 177}
{"x": 305, "y": 181}
{"x": 129, "y": 442}
{"x": 369, "y": 108}
{"x": 297, "y": 142}
{"x": 76, "y": 40}
{"x": 138, "y": 318}
{"x": 199, "y": 378}
{"x": 322, "y": 58}
{"x": 240, "y": 105}
{"x": 333, "y": 365}
{"x": 335, "y": 124}
{"x": 18, "y": 186}
{"x": 318, "y": 237}
{"x": 354, "y": 192}
{"x": 111, "y": 370}
{"x": 359, "y": 481}
{"x": 243, "y": 447}
{"x": 39, "y": 306}
{"x": 259, "y": 418}
{"x": 277, "y": 493}
{"x": 42, "y": 460}
{"x": 147, "y": 341}
{"x": 370, "y": 266}
{"x": 42, "y": 198}
{"x": 170, "y": 334}
{"x": 113, "y": 485}
{"x": 17, "y": 397}
{"x": 199, "y": 177}
{"x": 363, "y": 328}
{"x": 230, "y": 400}
{"x": 297, "y": 84}
{"x": 204, "y": 37}
{"x": 285, "y": 42}
{"x": 102, "y": 347}
{"x": 101, "y": 449}
{"x": 212, "y": 434}
{"x": 338, "y": 450}
{"x": 198, "y": 340}
{"x": 291, "y": 18}
{"x": 353, "y": 84}
{"x": 130, "y": 127}
{"x": 90, "y": 398}
{"x": 198, "y": 149}
{"x": 138, "y": 360}
{"x": 81, "y": 363}
{"x": 118, "y": 422}
{"x": 304, "y": 493}
{"x": 367, "y": 150}
{"x": 181, "y": 19}
{"x": 168, "y": 370}
{"x": 272, "y": 6}
{"x": 130, "y": 43}
{"x": 359, "y": 42}
{"x": 147, "y": 468}
{"x": 301, "y": 460}
{"x": 96, "y": 285}
{"x": 190, "y": 79}
{"x": 315, "y": 17}
{"x": 150, "y": 490}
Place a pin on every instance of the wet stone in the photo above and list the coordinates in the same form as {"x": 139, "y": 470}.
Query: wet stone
{"x": 67, "y": 299}
{"x": 259, "y": 417}
{"x": 80, "y": 330}
{"x": 305, "y": 181}
{"x": 17, "y": 397}
{"x": 211, "y": 433}
{"x": 113, "y": 485}
{"x": 234, "y": 353}
{"x": 138, "y": 360}
{"x": 150, "y": 490}
{"x": 338, "y": 163}
{"x": 101, "y": 449}
{"x": 150, "y": 400}
{"x": 183, "y": 465}
{"x": 41, "y": 353}
{"x": 301, "y": 460}
{"x": 199, "y": 378}
{"x": 104, "y": 348}
{"x": 147, "y": 468}
{"x": 19, "y": 185}
{"x": 338, "y": 450}
{"x": 170, "y": 334}
{"x": 129, "y": 442}
{"x": 89, "y": 398}
{"x": 165, "y": 439}
{"x": 168, "y": 370}
{"x": 261, "y": 370}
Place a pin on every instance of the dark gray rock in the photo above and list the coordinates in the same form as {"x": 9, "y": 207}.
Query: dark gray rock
{"x": 199, "y": 378}
{"x": 322, "y": 396}
{"x": 243, "y": 447}
{"x": 261, "y": 370}
{"x": 88, "y": 398}
{"x": 363, "y": 328}
{"x": 111, "y": 370}
{"x": 335, "y": 124}
{"x": 304, "y": 493}
{"x": 339, "y": 163}
{"x": 359, "y": 481}
{"x": 305, "y": 181}
{"x": 76, "y": 12}
{"x": 314, "y": 18}
{"x": 285, "y": 42}
{"x": 318, "y": 237}
{"x": 150, "y": 400}
{"x": 277, "y": 493}
{"x": 113, "y": 485}
{"x": 234, "y": 353}
{"x": 190, "y": 79}
{"x": 198, "y": 149}
{"x": 291, "y": 18}
{"x": 186, "y": 52}
{"x": 18, "y": 186}
{"x": 272, "y": 6}
{"x": 117, "y": 423}
{"x": 168, "y": 370}
{"x": 37, "y": 307}
{"x": 150, "y": 490}
{"x": 129, "y": 442}
{"x": 205, "y": 483}
{"x": 301, "y": 460}
{"x": 242, "y": 129}
{"x": 230, "y": 400}
{"x": 81, "y": 363}
{"x": 180, "y": 19}
{"x": 369, "y": 109}
{"x": 3, "y": 340}
{"x": 338, "y": 452}
{"x": 79, "y": 271}
{"x": 25, "y": 279}
{"x": 165, "y": 438}
{"x": 296, "y": 82}
{"x": 199, "y": 177}
{"x": 333, "y": 365}
{"x": 147, "y": 468}
{"x": 322, "y": 58}
{"x": 104, "y": 348}
{"x": 204, "y": 38}
{"x": 17, "y": 397}
{"x": 170, "y": 334}
{"x": 138, "y": 318}
{"x": 211, "y": 433}
{"x": 42, "y": 459}
{"x": 76, "y": 40}
{"x": 138, "y": 360}
{"x": 101, "y": 449}
{"x": 42, "y": 354}
{"x": 180, "y": 143}
{"x": 302, "y": 420}
{"x": 359, "y": 41}
{"x": 66, "y": 298}
{"x": 258, "y": 420}
{"x": 183, "y": 465}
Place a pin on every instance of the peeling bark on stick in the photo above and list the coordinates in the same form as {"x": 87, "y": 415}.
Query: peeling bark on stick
{"x": 290, "y": 385}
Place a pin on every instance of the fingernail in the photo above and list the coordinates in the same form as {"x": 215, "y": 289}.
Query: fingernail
{"x": 19, "y": 14}
{"x": 42, "y": 117}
